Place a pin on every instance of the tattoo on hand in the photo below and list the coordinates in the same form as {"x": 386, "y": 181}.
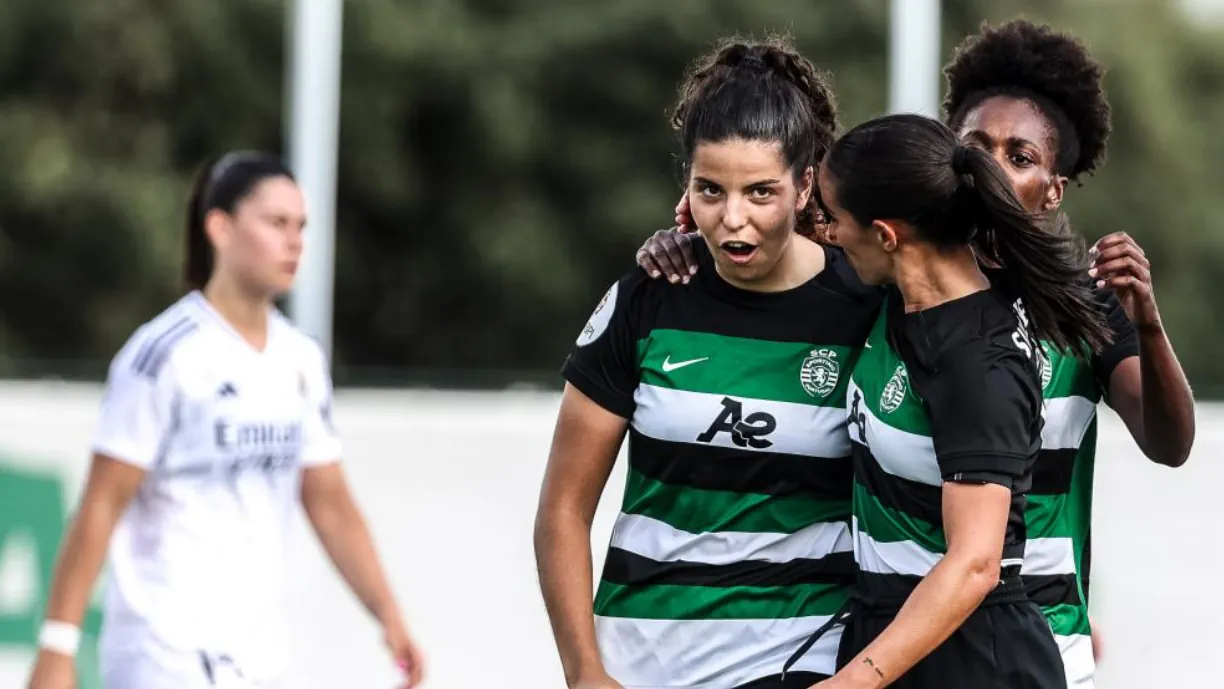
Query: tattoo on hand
{"x": 871, "y": 664}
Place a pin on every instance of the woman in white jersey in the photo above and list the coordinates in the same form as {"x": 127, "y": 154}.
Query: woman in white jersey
{"x": 216, "y": 421}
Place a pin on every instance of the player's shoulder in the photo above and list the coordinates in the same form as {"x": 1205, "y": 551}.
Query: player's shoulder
{"x": 621, "y": 301}
{"x": 840, "y": 278}
{"x": 1000, "y": 356}
{"x": 968, "y": 337}
{"x": 160, "y": 340}
{"x": 298, "y": 344}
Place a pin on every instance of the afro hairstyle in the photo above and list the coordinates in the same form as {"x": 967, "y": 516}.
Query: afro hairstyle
{"x": 1051, "y": 69}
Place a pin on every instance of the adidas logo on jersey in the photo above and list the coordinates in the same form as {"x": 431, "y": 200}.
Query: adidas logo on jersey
{"x": 227, "y": 389}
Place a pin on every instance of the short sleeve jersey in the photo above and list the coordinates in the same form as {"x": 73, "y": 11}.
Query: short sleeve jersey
{"x": 1058, "y": 511}
{"x": 950, "y": 393}
{"x": 222, "y": 431}
{"x": 733, "y": 542}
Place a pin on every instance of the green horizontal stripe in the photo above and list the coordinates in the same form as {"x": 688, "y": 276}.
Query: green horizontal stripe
{"x": 743, "y": 367}
{"x": 1070, "y": 377}
{"x": 711, "y": 603}
{"x": 1046, "y": 516}
{"x": 1068, "y": 515}
{"x": 887, "y": 525}
{"x": 1067, "y": 620}
{"x": 702, "y": 511}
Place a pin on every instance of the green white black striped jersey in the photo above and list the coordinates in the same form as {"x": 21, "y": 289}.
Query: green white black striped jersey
{"x": 1059, "y": 509}
{"x": 733, "y": 543}
{"x": 949, "y": 393}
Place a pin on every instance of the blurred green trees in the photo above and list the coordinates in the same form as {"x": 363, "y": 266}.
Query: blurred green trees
{"x": 500, "y": 162}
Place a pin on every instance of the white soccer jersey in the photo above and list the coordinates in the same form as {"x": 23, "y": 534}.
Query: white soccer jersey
{"x": 197, "y": 564}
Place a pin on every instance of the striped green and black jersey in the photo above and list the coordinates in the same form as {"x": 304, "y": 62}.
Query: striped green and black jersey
{"x": 1059, "y": 509}
{"x": 733, "y": 543}
{"x": 950, "y": 393}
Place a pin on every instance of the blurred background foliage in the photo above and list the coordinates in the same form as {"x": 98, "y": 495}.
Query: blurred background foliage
{"x": 500, "y": 162}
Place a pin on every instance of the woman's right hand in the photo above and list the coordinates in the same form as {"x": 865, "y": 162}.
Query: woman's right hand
{"x": 669, "y": 252}
{"x": 53, "y": 671}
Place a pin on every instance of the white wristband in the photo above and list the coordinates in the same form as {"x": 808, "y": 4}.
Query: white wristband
{"x": 60, "y": 637}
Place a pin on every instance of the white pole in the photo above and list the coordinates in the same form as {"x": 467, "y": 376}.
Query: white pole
{"x": 314, "y": 123}
{"x": 913, "y": 57}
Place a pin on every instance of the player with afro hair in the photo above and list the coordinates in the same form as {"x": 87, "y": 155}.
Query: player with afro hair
{"x": 1033, "y": 97}
{"x": 1052, "y": 71}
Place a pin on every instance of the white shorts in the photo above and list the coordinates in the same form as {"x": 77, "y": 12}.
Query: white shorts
{"x": 165, "y": 670}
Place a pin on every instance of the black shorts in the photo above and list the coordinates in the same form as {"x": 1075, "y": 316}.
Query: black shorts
{"x": 1001, "y": 646}
{"x": 794, "y": 680}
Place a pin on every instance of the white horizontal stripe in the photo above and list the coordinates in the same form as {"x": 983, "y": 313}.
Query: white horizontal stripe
{"x": 682, "y": 416}
{"x": 1049, "y": 556}
{"x": 900, "y": 453}
{"x": 899, "y": 557}
{"x": 709, "y": 654}
{"x": 661, "y": 542}
{"x": 1078, "y": 661}
{"x": 1066, "y": 421}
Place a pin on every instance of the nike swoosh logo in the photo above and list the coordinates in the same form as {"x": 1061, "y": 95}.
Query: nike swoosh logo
{"x": 668, "y": 366}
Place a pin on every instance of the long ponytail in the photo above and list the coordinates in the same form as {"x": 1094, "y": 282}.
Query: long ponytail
{"x": 1048, "y": 269}
{"x": 912, "y": 168}
{"x": 198, "y": 262}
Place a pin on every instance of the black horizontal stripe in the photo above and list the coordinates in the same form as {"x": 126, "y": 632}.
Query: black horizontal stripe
{"x": 630, "y": 569}
{"x": 833, "y": 309}
{"x": 921, "y": 501}
{"x": 711, "y": 467}
{"x": 1052, "y": 589}
{"x": 917, "y": 500}
{"x": 888, "y": 592}
{"x": 828, "y": 320}
{"x": 1052, "y": 472}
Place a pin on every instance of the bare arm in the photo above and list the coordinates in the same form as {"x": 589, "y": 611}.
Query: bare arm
{"x": 584, "y": 448}
{"x": 109, "y": 489}
{"x": 338, "y": 523}
{"x": 1150, "y": 392}
{"x": 1152, "y": 396}
{"x": 975, "y": 520}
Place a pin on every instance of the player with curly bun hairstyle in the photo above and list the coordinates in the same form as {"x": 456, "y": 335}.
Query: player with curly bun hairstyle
{"x": 733, "y": 543}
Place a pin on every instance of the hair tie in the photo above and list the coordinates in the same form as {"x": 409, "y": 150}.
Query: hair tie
{"x": 960, "y": 159}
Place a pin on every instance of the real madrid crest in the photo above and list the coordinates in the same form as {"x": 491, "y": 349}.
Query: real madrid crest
{"x": 819, "y": 373}
{"x": 894, "y": 391}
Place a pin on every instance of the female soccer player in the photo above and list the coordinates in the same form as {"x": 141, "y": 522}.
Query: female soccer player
{"x": 215, "y": 422}
{"x": 1033, "y": 98}
{"x": 733, "y": 542}
{"x": 946, "y": 407}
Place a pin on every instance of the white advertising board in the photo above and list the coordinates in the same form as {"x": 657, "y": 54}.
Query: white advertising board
{"x": 449, "y": 484}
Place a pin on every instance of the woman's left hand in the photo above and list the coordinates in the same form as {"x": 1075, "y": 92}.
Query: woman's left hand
{"x": 1119, "y": 264}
